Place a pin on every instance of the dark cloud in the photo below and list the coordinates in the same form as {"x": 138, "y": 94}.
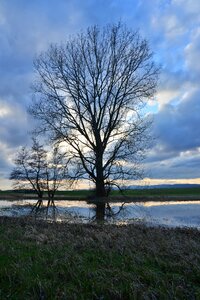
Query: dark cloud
{"x": 176, "y": 153}
{"x": 177, "y": 126}
{"x": 177, "y": 168}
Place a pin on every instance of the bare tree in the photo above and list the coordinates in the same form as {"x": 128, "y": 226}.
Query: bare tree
{"x": 90, "y": 93}
{"x": 30, "y": 168}
{"x": 57, "y": 173}
{"x": 41, "y": 171}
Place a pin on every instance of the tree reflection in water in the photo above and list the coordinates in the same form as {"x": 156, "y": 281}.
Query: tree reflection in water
{"x": 102, "y": 210}
{"x": 48, "y": 211}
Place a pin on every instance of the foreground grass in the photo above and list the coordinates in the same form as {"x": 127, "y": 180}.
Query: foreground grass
{"x": 62, "y": 261}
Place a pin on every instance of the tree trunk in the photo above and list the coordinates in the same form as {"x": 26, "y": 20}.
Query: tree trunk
{"x": 100, "y": 189}
{"x": 100, "y": 211}
{"x": 100, "y": 185}
{"x": 100, "y": 196}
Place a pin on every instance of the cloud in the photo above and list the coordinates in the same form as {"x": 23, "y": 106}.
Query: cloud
{"x": 176, "y": 126}
{"x": 189, "y": 9}
{"x": 175, "y": 167}
{"x": 13, "y": 129}
{"x": 192, "y": 51}
{"x": 176, "y": 153}
{"x": 6, "y": 160}
{"x": 172, "y": 28}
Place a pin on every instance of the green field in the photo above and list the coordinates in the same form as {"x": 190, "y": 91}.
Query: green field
{"x": 160, "y": 192}
{"x": 134, "y": 194}
{"x": 62, "y": 261}
{"x": 138, "y": 192}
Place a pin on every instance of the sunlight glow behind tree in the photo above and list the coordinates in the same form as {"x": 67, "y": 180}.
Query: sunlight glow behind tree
{"x": 90, "y": 92}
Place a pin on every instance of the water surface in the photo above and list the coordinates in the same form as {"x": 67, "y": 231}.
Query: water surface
{"x": 173, "y": 213}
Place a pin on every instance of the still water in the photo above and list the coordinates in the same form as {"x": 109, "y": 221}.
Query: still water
{"x": 172, "y": 214}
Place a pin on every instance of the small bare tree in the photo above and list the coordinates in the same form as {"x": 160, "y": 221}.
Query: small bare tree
{"x": 41, "y": 171}
{"x": 30, "y": 168}
{"x": 90, "y": 94}
{"x": 57, "y": 173}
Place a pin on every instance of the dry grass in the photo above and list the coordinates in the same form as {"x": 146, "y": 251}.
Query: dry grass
{"x": 61, "y": 261}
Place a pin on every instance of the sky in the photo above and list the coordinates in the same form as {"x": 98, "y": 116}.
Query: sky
{"x": 172, "y": 28}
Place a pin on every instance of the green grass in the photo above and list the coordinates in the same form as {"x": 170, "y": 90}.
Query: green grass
{"x": 75, "y": 193}
{"x": 62, "y": 261}
{"x": 160, "y": 192}
{"x": 138, "y": 192}
{"x": 84, "y": 194}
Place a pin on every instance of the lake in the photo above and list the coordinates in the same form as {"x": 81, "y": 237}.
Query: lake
{"x": 171, "y": 214}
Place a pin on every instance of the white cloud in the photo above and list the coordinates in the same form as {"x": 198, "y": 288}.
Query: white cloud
{"x": 189, "y": 6}
{"x": 5, "y": 110}
{"x": 192, "y": 53}
{"x": 167, "y": 96}
{"x": 173, "y": 27}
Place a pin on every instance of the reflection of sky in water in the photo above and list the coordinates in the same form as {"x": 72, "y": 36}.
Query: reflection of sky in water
{"x": 174, "y": 213}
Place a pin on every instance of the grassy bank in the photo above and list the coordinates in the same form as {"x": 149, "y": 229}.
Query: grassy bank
{"x": 163, "y": 194}
{"x": 62, "y": 261}
{"x": 139, "y": 192}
